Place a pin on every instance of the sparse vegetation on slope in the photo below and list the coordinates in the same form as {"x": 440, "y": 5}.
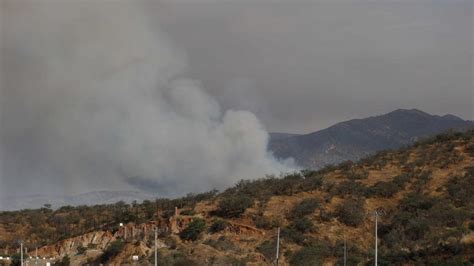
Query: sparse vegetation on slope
{"x": 425, "y": 191}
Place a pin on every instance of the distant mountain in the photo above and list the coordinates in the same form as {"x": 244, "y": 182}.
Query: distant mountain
{"x": 354, "y": 139}
{"x": 89, "y": 198}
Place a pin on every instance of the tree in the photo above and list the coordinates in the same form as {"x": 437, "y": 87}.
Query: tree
{"x": 16, "y": 260}
{"x": 305, "y": 207}
{"x": 112, "y": 250}
{"x": 218, "y": 225}
{"x": 351, "y": 212}
{"x": 194, "y": 229}
{"x": 234, "y": 206}
{"x": 65, "y": 261}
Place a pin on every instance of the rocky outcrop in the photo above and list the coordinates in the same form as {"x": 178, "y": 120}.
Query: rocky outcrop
{"x": 99, "y": 240}
{"x": 94, "y": 240}
{"x": 238, "y": 228}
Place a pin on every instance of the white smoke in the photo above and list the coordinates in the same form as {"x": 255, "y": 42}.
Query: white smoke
{"x": 94, "y": 97}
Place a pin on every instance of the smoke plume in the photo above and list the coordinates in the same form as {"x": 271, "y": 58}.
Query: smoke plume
{"x": 94, "y": 96}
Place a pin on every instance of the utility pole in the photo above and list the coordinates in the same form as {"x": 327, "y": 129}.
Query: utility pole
{"x": 156, "y": 246}
{"x": 21, "y": 252}
{"x": 278, "y": 247}
{"x": 36, "y": 257}
{"x": 376, "y": 236}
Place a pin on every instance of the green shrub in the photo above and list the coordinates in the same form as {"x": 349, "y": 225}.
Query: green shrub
{"x": 417, "y": 228}
{"x": 445, "y": 215}
{"x": 312, "y": 182}
{"x": 460, "y": 188}
{"x": 384, "y": 189}
{"x": 188, "y": 212}
{"x": 350, "y": 188}
{"x": 325, "y": 216}
{"x": 401, "y": 180}
{"x": 345, "y": 166}
{"x": 112, "y": 250}
{"x": 194, "y": 229}
{"x": 262, "y": 222}
{"x": 222, "y": 244}
{"x": 351, "y": 212}
{"x": 65, "y": 261}
{"x": 175, "y": 258}
{"x": 16, "y": 260}
{"x": 413, "y": 202}
{"x": 266, "y": 223}
{"x": 234, "y": 206}
{"x": 292, "y": 235}
{"x": 268, "y": 249}
{"x": 217, "y": 226}
{"x": 352, "y": 175}
{"x": 471, "y": 226}
{"x": 355, "y": 255}
{"x": 313, "y": 254}
{"x": 305, "y": 207}
{"x": 303, "y": 225}
{"x": 470, "y": 149}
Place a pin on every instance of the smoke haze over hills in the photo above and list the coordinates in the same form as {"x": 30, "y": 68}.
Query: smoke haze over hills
{"x": 169, "y": 97}
{"x": 94, "y": 97}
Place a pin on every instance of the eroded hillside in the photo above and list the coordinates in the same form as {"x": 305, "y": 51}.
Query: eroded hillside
{"x": 425, "y": 194}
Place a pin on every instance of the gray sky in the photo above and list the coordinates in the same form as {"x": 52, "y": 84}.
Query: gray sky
{"x": 302, "y": 66}
{"x": 132, "y": 95}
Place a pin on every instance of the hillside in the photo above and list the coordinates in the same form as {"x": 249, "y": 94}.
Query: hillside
{"x": 358, "y": 138}
{"x": 424, "y": 192}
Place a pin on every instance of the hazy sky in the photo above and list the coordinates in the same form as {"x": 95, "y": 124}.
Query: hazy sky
{"x": 178, "y": 96}
{"x": 304, "y": 65}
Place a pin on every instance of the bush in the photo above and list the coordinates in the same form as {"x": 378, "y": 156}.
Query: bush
{"x": 471, "y": 226}
{"x": 401, "y": 180}
{"x": 262, "y": 222}
{"x": 460, "y": 188}
{"x": 293, "y": 235}
{"x": 444, "y": 214}
{"x": 352, "y": 175}
{"x": 350, "y": 188}
{"x": 351, "y": 212}
{"x": 234, "y": 206}
{"x": 112, "y": 250}
{"x": 417, "y": 228}
{"x": 65, "y": 261}
{"x": 355, "y": 255}
{"x": 312, "y": 181}
{"x": 303, "y": 225}
{"x": 415, "y": 201}
{"x": 325, "y": 216}
{"x": 470, "y": 149}
{"x": 268, "y": 249}
{"x": 175, "y": 258}
{"x": 305, "y": 207}
{"x": 16, "y": 260}
{"x": 217, "y": 226}
{"x": 313, "y": 254}
{"x": 266, "y": 223}
{"x": 222, "y": 244}
{"x": 188, "y": 212}
{"x": 384, "y": 189}
{"x": 194, "y": 229}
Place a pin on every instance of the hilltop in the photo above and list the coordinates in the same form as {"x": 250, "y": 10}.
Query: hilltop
{"x": 425, "y": 193}
{"x": 358, "y": 138}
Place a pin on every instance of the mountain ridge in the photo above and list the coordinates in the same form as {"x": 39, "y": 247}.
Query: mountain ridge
{"x": 356, "y": 138}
